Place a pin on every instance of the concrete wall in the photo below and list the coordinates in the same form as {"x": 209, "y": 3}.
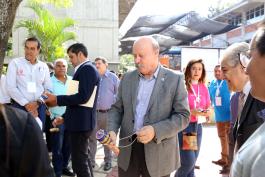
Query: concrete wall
{"x": 96, "y": 27}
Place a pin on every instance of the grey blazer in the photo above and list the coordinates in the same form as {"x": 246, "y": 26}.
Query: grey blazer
{"x": 168, "y": 112}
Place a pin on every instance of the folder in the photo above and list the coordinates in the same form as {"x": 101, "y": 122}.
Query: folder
{"x": 72, "y": 88}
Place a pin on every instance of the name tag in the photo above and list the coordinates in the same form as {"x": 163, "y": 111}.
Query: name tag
{"x": 31, "y": 87}
{"x": 218, "y": 101}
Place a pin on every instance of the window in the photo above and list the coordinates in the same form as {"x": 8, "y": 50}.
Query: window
{"x": 256, "y": 12}
{"x": 236, "y": 20}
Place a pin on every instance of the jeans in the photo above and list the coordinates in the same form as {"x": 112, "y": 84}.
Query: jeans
{"x": 60, "y": 150}
{"x": 188, "y": 157}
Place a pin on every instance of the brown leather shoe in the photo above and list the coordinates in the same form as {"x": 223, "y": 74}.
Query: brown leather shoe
{"x": 219, "y": 162}
{"x": 197, "y": 167}
{"x": 225, "y": 170}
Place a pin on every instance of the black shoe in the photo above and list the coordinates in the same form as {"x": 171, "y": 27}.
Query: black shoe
{"x": 107, "y": 166}
{"x": 67, "y": 172}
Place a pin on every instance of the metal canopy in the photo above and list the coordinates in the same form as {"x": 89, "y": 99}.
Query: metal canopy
{"x": 172, "y": 30}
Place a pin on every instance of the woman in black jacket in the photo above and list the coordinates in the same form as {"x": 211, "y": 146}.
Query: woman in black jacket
{"x": 23, "y": 151}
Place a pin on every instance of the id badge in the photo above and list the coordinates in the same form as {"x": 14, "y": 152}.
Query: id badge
{"x": 218, "y": 101}
{"x": 31, "y": 87}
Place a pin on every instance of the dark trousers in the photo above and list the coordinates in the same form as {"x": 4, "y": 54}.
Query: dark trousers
{"x": 80, "y": 153}
{"x": 60, "y": 150}
{"x": 41, "y": 111}
{"x": 189, "y": 157}
{"x": 137, "y": 166}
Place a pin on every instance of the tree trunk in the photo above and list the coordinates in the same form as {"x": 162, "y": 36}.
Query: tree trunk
{"x": 8, "y": 10}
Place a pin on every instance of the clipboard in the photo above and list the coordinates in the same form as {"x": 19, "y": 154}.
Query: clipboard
{"x": 72, "y": 88}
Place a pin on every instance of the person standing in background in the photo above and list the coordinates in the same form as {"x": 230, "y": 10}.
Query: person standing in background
{"x": 4, "y": 96}
{"x": 234, "y": 62}
{"x": 28, "y": 78}
{"x": 60, "y": 139}
{"x": 108, "y": 90}
{"x": 79, "y": 120}
{"x": 220, "y": 98}
{"x": 250, "y": 158}
{"x": 199, "y": 103}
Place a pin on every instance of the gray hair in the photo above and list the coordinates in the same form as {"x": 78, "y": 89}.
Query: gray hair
{"x": 61, "y": 60}
{"x": 232, "y": 53}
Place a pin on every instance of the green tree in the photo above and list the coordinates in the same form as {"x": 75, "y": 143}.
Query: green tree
{"x": 126, "y": 63}
{"x": 49, "y": 30}
{"x": 57, "y": 3}
{"x": 8, "y": 10}
{"x": 219, "y": 6}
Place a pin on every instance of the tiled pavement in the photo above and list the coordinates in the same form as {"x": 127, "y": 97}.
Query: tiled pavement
{"x": 210, "y": 150}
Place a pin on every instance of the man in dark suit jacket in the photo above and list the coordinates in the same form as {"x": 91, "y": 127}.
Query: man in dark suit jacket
{"x": 234, "y": 64}
{"x": 79, "y": 120}
{"x": 250, "y": 158}
{"x": 249, "y": 121}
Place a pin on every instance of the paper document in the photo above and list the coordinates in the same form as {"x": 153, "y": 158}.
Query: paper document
{"x": 72, "y": 88}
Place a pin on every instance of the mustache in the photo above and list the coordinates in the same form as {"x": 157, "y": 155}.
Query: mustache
{"x": 139, "y": 65}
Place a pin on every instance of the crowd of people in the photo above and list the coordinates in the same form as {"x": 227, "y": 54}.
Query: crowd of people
{"x": 157, "y": 113}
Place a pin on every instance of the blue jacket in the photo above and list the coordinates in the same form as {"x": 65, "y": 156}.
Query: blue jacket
{"x": 76, "y": 117}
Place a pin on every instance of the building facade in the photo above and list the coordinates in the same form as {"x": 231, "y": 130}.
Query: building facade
{"x": 96, "y": 26}
{"x": 246, "y": 14}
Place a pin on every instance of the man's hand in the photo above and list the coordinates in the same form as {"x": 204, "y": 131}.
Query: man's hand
{"x": 57, "y": 121}
{"x": 112, "y": 145}
{"x": 51, "y": 101}
{"x": 32, "y": 107}
{"x": 113, "y": 138}
{"x": 145, "y": 134}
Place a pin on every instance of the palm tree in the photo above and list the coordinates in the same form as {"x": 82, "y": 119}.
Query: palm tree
{"x": 49, "y": 30}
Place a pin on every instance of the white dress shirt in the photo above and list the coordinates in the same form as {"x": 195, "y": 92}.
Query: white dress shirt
{"x": 26, "y": 81}
{"x": 4, "y": 97}
{"x": 76, "y": 68}
{"x": 246, "y": 90}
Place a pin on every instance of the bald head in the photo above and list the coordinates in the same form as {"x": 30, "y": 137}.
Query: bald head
{"x": 146, "y": 53}
{"x": 148, "y": 40}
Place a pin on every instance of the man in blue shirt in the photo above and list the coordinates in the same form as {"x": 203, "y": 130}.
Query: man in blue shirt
{"x": 220, "y": 98}
{"x": 108, "y": 90}
{"x": 60, "y": 140}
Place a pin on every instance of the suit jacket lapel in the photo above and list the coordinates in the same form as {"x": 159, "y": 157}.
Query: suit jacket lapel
{"x": 157, "y": 87}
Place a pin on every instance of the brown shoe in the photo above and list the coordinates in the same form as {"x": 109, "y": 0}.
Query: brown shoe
{"x": 197, "y": 167}
{"x": 225, "y": 170}
{"x": 220, "y": 162}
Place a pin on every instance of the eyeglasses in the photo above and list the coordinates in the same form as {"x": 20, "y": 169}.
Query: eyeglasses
{"x": 243, "y": 60}
{"x": 244, "y": 57}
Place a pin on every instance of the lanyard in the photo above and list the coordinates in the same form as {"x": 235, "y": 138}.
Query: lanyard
{"x": 217, "y": 92}
{"x": 197, "y": 96}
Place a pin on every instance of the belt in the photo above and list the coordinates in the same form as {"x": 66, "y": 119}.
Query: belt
{"x": 103, "y": 111}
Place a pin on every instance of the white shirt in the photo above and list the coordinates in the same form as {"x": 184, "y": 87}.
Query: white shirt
{"x": 76, "y": 68}
{"x": 25, "y": 81}
{"x": 4, "y": 97}
{"x": 246, "y": 90}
